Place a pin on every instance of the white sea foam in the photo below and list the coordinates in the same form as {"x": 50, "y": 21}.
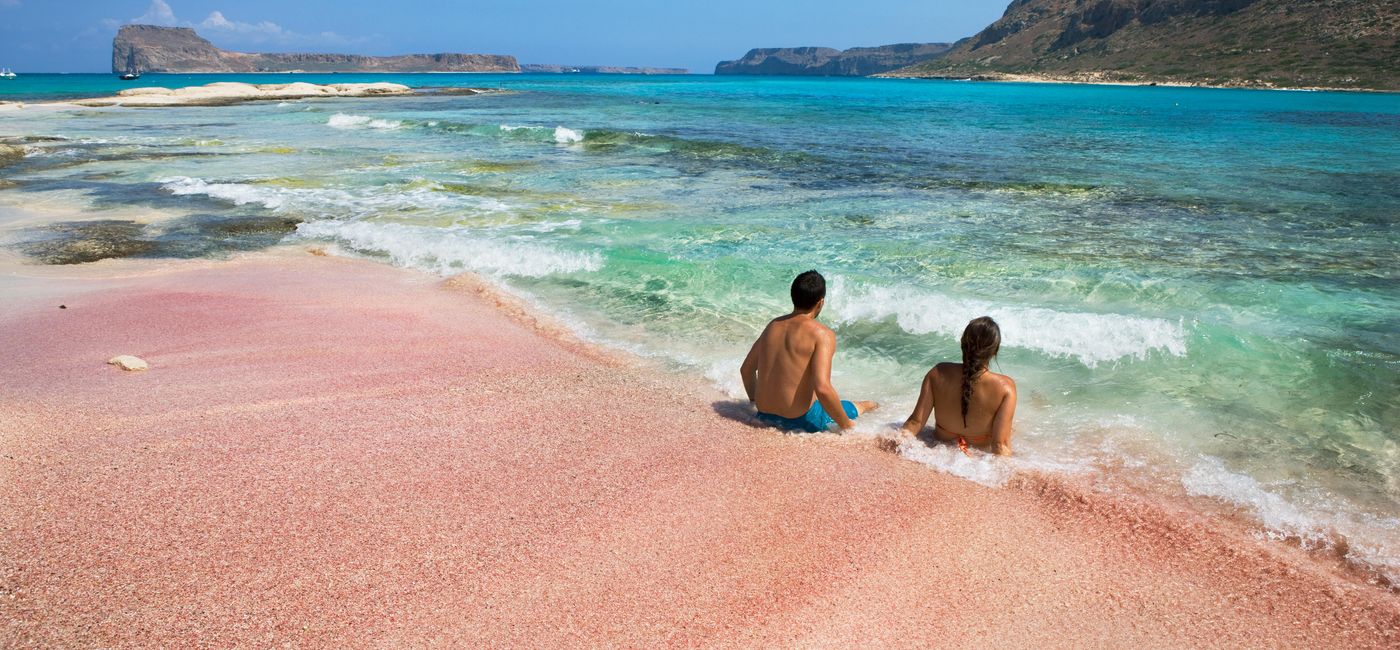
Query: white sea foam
{"x": 272, "y": 198}
{"x": 986, "y": 469}
{"x": 560, "y": 134}
{"x": 1210, "y": 478}
{"x": 551, "y": 226}
{"x": 1088, "y": 337}
{"x": 566, "y": 136}
{"x": 331, "y": 201}
{"x": 1370, "y": 539}
{"x": 347, "y": 121}
{"x": 446, "y": 251}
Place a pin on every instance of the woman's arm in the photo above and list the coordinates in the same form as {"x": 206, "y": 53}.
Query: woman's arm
{"x": 1001, "y": 422}
{"x": 924, "y": 408}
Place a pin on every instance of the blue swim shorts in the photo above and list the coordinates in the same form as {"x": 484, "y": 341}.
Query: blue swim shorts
{"x": 816, "y": 419}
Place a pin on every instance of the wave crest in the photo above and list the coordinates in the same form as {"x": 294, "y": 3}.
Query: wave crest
{"x": 347, "y": 122}
{"x": 445, "y": 251}
{"x": 331, "y": 201}
{"x": 1087, "y": 337}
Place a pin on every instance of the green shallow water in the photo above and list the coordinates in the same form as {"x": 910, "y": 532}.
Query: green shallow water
{"x": 1197, "y": 288}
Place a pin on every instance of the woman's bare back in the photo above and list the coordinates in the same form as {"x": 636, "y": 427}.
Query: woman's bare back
{"x": 990, "y": 409}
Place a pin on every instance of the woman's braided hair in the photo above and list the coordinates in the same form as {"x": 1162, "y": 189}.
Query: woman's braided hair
{"x": 980, "y": 342}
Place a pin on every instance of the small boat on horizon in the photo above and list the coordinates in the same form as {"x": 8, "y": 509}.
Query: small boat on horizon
{"x": 7, "y": 74}
{"x": 129, "y": 76}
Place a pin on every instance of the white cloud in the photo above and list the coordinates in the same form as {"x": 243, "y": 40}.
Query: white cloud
{"x": 265, "y": 30}
{"x": 159, "y": 13}
{"x": 218, "y": 25}
{"x": 9, "y": 3}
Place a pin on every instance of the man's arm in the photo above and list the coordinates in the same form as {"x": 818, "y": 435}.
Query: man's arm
{"x": 821, "y": 370}
{"x": 748, "y": 371}
{"x": 1001, "y": 422}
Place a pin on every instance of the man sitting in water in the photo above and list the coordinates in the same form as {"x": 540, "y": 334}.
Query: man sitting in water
{"x": 788, "y": 371}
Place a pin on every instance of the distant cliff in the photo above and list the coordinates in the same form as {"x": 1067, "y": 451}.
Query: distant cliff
{"x": 825, "y": 61}
{"x": 1293, "y": 43}
{"x": 148, "y": 48}
{"x": 596, "y": 69}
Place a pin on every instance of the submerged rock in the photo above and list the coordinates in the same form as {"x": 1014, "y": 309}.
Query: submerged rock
{"x": 128, "y": 363}
{"x": 10, "y": 154}
{"x": 80, "y": 242}
{"x": 88, "y": 241}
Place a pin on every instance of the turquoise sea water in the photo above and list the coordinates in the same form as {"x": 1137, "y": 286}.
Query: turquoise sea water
{"x": 1197, "y": 288}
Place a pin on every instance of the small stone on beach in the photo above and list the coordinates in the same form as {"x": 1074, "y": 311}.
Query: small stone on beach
{"x": 128, "y": 362}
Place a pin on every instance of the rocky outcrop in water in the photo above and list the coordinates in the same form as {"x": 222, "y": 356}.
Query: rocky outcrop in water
{"x": 148, "y": 48}
{"x": 1296, "y": 43}
{"x": 550, "y": 68}
{"x": 10, "y": 153}
{"x": 828, "y": 62}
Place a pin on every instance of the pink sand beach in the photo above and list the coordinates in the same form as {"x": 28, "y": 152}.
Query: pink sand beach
{"x": 329, "y": 452}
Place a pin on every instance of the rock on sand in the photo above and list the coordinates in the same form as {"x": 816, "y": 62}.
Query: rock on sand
{"x": 128, "y": 362}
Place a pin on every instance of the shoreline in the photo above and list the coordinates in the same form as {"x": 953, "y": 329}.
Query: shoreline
{"x": 616, "y": 487}
{"x": 226, "y": 93}
{"x": 1075, "y": 80}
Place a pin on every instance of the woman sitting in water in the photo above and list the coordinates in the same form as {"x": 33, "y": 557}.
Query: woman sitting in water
{"x": 987, "y": 400}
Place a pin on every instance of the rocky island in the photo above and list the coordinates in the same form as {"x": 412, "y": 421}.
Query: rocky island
{"x": 829, "y": 62}
{"x": 148, "y": 48}
{"x": 1252, "y": 43}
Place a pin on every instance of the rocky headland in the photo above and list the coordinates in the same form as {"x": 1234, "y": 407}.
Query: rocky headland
{"x": 148, "y": 48}
{"x": 829, "y": 62}
{"x": 1249, "y": 43}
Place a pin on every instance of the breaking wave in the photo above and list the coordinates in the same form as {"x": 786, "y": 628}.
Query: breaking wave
{"x": 347, "y": 121}
{"x": 1369, "y": 542}
{"x": 447, "y": 251}
{"x": 1088, "y": 337}
{"x": 332, "y": 201}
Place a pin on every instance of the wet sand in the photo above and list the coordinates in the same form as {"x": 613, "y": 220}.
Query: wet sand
{"x": 332, "y": 452}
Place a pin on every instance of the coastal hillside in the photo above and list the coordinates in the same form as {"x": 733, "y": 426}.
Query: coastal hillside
{"x": 829, "y": 62}
{"x": 1264, "y": 43}
{"x": 148, "y": 48}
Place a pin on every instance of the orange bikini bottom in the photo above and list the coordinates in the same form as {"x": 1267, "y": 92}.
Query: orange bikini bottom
{"x": 962, "y": 442}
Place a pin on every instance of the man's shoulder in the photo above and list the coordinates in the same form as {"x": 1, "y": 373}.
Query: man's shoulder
{"x": 819, "y": 330}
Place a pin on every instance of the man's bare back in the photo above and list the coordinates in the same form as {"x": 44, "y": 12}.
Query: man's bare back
{"x": 789, "y": 366}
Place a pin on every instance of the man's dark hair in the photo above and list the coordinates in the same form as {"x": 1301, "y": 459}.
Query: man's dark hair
{"x": 807, "y": 290}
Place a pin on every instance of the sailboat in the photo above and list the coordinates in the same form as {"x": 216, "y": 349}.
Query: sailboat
{"x": 130, "y": 75}
{"x": 7, "y": 74}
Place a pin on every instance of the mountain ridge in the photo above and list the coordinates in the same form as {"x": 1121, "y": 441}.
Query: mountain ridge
{"x": 830, "y": 62}
{"x": 1249, "y": 43}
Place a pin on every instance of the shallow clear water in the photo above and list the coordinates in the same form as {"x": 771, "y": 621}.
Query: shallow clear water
{"x": 1197, "y": 288}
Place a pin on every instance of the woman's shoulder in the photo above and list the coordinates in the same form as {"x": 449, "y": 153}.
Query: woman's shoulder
{"x": 946, "y": 369}
{"x": 1005, "y": 382}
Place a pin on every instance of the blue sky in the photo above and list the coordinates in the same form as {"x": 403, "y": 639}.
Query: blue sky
{"x": 75, "y": 35}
